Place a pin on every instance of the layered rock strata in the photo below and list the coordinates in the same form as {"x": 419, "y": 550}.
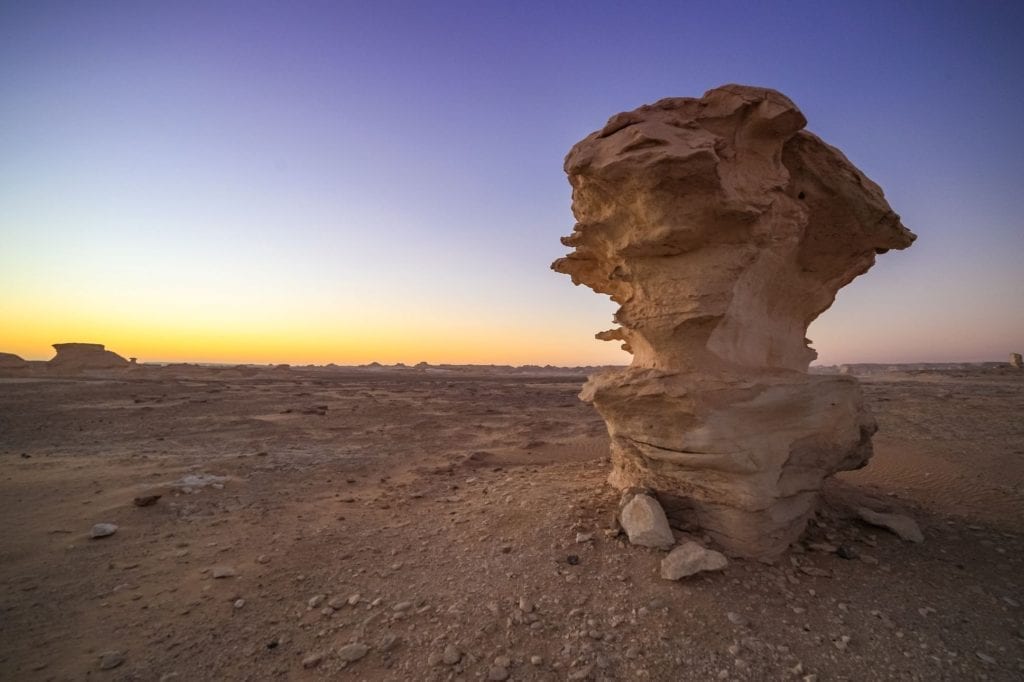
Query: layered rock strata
{"x": 722, "y": 228}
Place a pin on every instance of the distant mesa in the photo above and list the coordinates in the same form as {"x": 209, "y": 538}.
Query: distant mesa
{"x": 12, "y": 361}
{"x": 77, "y": 356}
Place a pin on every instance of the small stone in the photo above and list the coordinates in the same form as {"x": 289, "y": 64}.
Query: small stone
{"x": 146, "y": 500}
{"x": 111, "y": 659}
{"x": 690, "y": 558}
{"x": 985, "y": 658}
{"x": 903, "y": 526}
{"x": 402, "y": 606}
{"x": 497, "y": 673}
{"x": 337, "y": 602}
{"x": 584, "y": 537}
{"x": 451, "y": 655}
{"x": 846, "y": 552}
{"x": 503, "y": 661}
{"x": 388, "y": 642}
{"x": 102, "y": 530}
{"x": 353, "y": 599}
{"x": 313, "y": 660}
{"x": 736, "y": 619}
{"x": 525, "y": 605}
{"x": 572, "y": 560}
{"x": 239, "y": 603}
{"x": 645, "y": 523}
{"x": 842, "y": 642}
{"x": 351, "y": 653}
{"x": 316, "y": 601}
{"x": 223, "y": 572}
{"x": 262, "y": 559}
{"x": 536, "y": 660}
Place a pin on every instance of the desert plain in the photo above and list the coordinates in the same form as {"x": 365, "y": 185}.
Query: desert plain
{"x": 382, "y": 523}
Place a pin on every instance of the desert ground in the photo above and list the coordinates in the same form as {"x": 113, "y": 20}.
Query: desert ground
{"x": 378, "y": 524}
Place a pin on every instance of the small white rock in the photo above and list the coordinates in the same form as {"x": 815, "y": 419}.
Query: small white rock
{"x": 102, "y": 530}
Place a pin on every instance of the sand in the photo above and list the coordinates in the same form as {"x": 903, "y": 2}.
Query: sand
{"x": 429, "y": 507}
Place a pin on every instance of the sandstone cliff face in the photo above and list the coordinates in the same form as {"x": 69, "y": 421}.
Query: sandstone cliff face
{"x": 723, "y": 229}
{"x": 79, "y": 356}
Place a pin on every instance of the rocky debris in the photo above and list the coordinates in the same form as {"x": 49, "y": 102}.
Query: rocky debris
{"x": 497, "y": 673}
{"x": 111, "y": 659}
{"x": 220, "y": 572}
{"x": 103, "y": 530}
{"x": 645, "y": 523}
{"x": 903, "y": 526}
{"x": 146, "y": 500}
{"x": 1016, "y": 360}
{"x": 690, "y": 558}
{"x": 350, "y": 653}
{"x": 80, "y": 356}
{"x": 722, "y": 229}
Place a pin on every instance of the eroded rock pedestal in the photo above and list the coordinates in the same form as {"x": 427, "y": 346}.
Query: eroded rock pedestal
{"x": 723, "y": 229}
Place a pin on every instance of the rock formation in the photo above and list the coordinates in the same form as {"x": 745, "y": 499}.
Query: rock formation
{"x": 723, "y": 229}
{"x": 78, "y": 356}
{"x": 1016, "y": 360}
{"x": 12, "y": 361}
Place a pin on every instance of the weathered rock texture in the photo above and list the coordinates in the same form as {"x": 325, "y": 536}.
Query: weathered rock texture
{"x": 723, "y": 229}
{"x": 78, "y": 356}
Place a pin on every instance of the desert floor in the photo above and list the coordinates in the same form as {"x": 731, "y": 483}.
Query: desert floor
{"x": 432, "y": 519}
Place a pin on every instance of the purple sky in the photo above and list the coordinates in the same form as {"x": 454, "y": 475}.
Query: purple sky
{"x": 357, "y": 181}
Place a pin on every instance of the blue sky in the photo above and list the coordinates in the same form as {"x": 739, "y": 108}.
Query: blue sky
{"x": 359, "y": 181}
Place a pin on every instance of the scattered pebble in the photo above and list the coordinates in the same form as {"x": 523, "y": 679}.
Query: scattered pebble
{"x": 111, "y": 659}
{"x": 451, "y": 655}
{"x": 313, "y": 660}
{"x": 102, "y": 530}
{"x": 223, "y": 572}
{"x": 351, "y": 653}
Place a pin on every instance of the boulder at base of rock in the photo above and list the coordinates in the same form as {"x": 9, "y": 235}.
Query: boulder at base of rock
{"x": 645, "y": 523}
{"x": 689, "y": 558}
{"x": 904, "y": 526}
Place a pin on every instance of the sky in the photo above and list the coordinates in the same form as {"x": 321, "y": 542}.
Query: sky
{"x": 382, "y": 181}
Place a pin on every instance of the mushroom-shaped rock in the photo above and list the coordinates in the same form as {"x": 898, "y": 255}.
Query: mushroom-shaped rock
{"x": 723, "y": 229}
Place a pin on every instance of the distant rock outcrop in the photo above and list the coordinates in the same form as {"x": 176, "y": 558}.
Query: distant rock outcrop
{"x": 12, "y": 361}
{"x": 79, "y": 356}
{"x": 723, "y": 229}
{"x": 1016, "y": 360}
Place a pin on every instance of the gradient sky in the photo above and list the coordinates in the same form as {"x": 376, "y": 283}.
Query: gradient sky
{"x": 314, "y": 182}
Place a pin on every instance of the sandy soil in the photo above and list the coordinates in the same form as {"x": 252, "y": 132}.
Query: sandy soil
{"x": 425, "y": 515}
